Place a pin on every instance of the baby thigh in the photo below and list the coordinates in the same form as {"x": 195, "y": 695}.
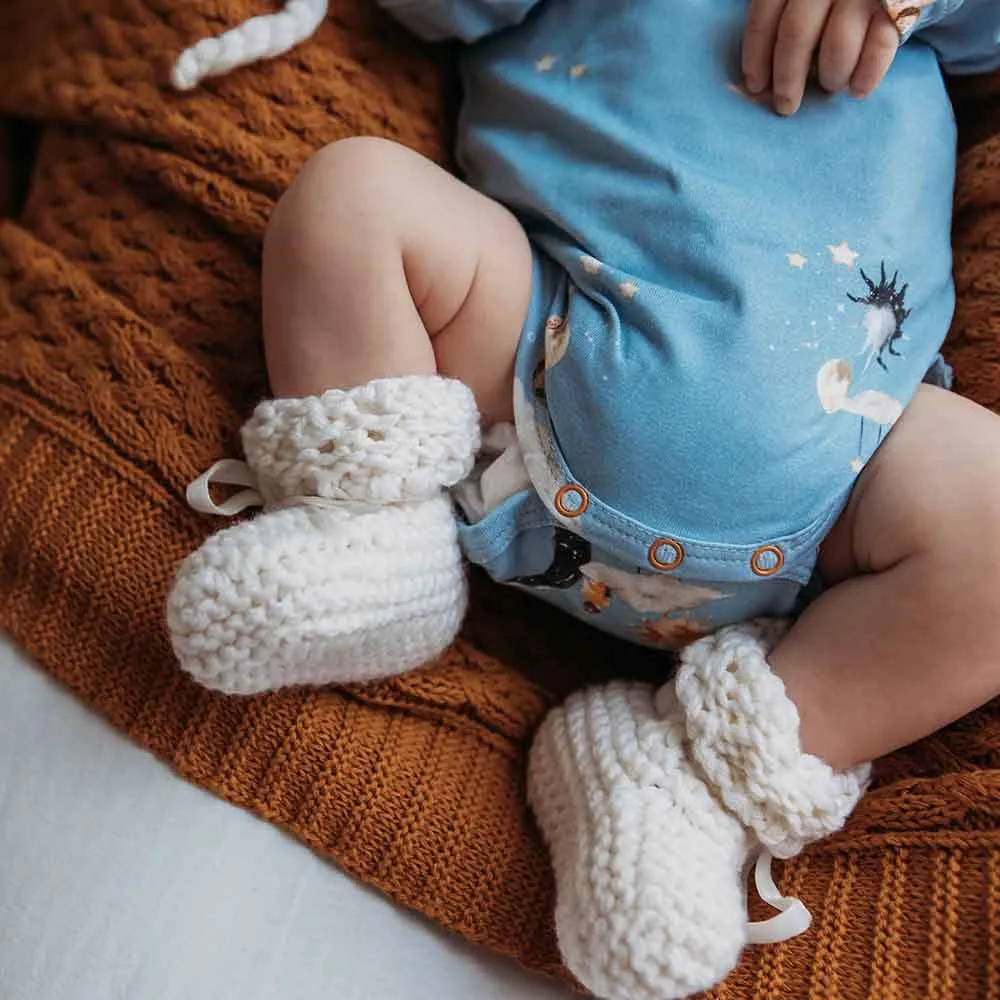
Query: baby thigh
{"x": 932, "y": 487}
{"x": 907, "y": 636}
{"x": 379, "y": 263}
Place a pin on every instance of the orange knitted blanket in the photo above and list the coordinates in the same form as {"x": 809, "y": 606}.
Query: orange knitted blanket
{"x": 129, "y": 355}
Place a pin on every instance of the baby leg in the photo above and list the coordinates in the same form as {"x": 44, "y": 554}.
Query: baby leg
{"x": 762, "y": 737}
{"x": 907, "y": 638}
{"x": 393, "y": 302}
{"x": 378, "y": 263}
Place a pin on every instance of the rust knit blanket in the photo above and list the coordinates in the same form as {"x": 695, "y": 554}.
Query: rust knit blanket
{"x": 129, "y": 355}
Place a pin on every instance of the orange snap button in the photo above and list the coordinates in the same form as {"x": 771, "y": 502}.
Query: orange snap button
{"x": 767, "y": 560}
{"x": 571, "y": 500}
{"x": 666, "y": 553}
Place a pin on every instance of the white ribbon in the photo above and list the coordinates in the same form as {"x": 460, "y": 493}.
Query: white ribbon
{"x": 233, "y": 472}
{"x": 794, "y": 918}
{"x": 227, "y": 472}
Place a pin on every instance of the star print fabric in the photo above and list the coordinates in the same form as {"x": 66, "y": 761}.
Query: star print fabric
{"x": 730, "y": 309}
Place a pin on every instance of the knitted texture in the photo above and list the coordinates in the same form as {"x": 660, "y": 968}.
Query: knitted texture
{"x": 744, "y": 734}
{"x": 650, "y": 902}
{"x": 392, "y": 439}
{"x": 130, "y": 357}
{"x": 646, "y": 804}
{"x": 369, "y": 584}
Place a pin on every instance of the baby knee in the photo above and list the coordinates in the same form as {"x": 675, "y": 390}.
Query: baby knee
{"x": 353, "y": 165}
{"x": 346, "y": 183}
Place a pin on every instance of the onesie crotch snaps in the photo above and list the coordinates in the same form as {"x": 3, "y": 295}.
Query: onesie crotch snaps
{"x": 767, "y": 560}
{"x": 571, "y": 500}
{"x": 665, "y": 554}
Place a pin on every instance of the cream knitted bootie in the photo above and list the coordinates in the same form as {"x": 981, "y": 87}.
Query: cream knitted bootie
{"x": 352, "y": 571}
{"x": 651, "y": 807}
{"x": 650, "y": 903}
{"x": 743, "y": 735}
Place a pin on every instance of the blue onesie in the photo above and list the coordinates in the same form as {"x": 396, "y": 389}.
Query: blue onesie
{"x": 730, "y": 309}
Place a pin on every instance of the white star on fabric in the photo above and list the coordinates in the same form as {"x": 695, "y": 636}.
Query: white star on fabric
{"x": 590, "y": 264}
{"x": 629, "y": 289}
{"x": 577, "y": 71}
{"x": 796, "y": 260}
{"x": 843, "y": 254}
{"x": 546, "y": 63}
{"x": 841, "y": 307}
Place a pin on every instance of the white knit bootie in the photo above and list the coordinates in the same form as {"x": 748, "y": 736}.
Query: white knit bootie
{"x": 650, "y": 902}
{"x": 352, "y": 571}
{"x": 743, "y": 735}
{"x": 651, "y": 807}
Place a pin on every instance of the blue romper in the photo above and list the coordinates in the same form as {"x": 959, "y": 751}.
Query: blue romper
{"x": 730, "y": 309}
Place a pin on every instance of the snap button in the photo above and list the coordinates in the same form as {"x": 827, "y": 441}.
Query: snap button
{"x": 767, "y": 560}
{"x": 666, "y": 553}
{"x": 571, "y": 500}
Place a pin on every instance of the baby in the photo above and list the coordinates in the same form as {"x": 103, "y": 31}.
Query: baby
{"x": 697, "y": 334}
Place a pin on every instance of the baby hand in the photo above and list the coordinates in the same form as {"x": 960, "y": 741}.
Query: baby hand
{"x": 852, "y": 41}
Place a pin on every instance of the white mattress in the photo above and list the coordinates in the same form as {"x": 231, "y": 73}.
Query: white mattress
{"x": 118, "y": 881}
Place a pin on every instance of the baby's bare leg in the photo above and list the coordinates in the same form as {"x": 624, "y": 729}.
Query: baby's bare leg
{"x": 908, "y": 637}
{"x": 378, "y": 263}
{"x": 381, "y": 275}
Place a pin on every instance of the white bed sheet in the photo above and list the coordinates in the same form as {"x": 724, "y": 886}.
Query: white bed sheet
{"x": 119, "y": 881}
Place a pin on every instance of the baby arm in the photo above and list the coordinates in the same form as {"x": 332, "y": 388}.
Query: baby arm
{"x": 457, "y": 20}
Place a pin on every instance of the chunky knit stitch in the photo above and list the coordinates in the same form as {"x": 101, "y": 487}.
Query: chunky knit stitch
{"x": 650, "y": 903}
{"x": 398, "y": 439}
{"x": 366, "y": 584}
{"x": 130, "y": 357}
{"x": 650, "y": 806}
{"x": 744, "y": 735}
